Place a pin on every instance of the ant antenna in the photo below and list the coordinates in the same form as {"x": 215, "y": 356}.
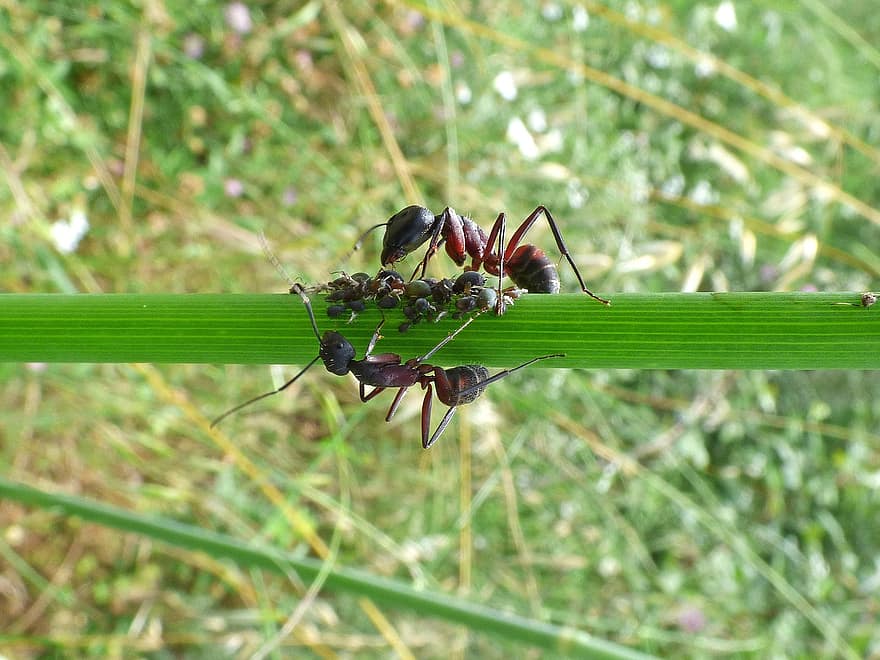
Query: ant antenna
{"x": 298, "y": 288}
{"x": 266, "y": 394}
{"x": 360, "y": 240}
{"x": 270, "y": 255}
{"x": 294, "y": 288}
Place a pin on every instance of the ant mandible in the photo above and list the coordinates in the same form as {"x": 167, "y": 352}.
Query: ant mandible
{"x": 455, "y": 386}
{"x": 527, "y": 265}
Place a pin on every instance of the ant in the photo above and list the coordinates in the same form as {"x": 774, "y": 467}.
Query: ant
{"x": 528, "y": 266}
{"x": 455, "y": 386}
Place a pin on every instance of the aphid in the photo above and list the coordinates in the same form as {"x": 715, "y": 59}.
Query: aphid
{"x": 867, "y": 299}
{"x": 468, "y": 279}
{"x": 456, "y": 386}
{"x": 527, "y": 265}
{"x": 418, "y": 289}
{"x": 387, "y": 302}
{"x": 335, "y": 311}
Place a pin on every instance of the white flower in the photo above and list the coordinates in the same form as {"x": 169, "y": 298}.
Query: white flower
{"x": 505, "y": 85}
{"x": 725, "y": 16}
{"x": 522, "y": 138}
{"x": 580, "y": 19}
{"x": 66, "y": 234}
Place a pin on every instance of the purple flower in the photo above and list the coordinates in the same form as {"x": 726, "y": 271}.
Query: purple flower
{"x": 289, "y": 196}
{"x": 691, "y": 619}
{"x": 233, "y": 188}
{"x": 238, "y": 17}
{"x": 193, "y": 46}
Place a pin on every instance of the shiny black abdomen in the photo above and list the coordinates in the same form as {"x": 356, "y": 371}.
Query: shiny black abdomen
{"x": 461, "y": 378}
{"x": 532, "y": 269}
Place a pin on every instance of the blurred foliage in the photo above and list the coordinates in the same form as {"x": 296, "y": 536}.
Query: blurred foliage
{"x": 684, "y": 513}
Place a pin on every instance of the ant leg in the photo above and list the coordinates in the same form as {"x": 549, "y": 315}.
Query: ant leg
{"x": 396, "y": 403}
{"x": 499, "y": 302}
{"x": 376, "y": 337}
{"x": 488, "y": 252}
{"x": 496, "y": 260}
{"x": 435, "y": 243}
{"x": 505, "y": 373}
{"x": 560, "y": 243}
{"x": 444, "y": 341}
{"x": 266, "y": 394}
{"x": 426, "y": 443}
{"x": 374, "y": 392}
{"x": 423, "y": 264}
{"x": 427, "y": 404}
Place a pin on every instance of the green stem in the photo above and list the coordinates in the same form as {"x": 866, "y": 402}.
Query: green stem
{"x": 568, "y": 641}
{"x": 655, "y": 331}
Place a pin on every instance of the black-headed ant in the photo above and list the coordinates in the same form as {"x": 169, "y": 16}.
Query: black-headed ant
{"x": 455, "y": 386}
{"x": 527, "y": 265}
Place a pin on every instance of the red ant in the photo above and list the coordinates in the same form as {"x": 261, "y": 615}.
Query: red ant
{"x": 455, "y": 386}
{"x": 528, "y": 266}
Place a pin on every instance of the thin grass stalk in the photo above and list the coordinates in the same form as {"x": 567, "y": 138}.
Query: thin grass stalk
{"x": 568, "y": 641}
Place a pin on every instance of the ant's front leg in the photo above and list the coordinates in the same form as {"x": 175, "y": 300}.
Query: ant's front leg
{"x": 376, "y": 337}
{"x": 434, "y": 243}
{"x": 423, "y": 264}
{"x": 449, "y": 229}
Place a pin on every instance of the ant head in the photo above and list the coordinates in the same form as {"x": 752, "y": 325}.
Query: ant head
{"x": 407, "y": 230}
{"x": 336, "y": 352}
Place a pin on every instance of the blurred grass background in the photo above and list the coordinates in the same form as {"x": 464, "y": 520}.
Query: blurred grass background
{"x": 681, "y": 147}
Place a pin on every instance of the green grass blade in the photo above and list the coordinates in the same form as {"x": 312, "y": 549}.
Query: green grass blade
{"x": 457, "y": 610}
{"x": 655, "y": 331}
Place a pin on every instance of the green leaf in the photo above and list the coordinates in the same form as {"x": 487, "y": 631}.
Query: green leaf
{"x": 648, "y": 331}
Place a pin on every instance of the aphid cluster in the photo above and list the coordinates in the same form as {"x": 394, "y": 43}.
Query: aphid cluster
{"x": 428, "y": 299}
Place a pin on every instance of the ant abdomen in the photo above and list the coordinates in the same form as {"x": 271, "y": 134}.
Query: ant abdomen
{"x": 530, "y": 268}
{"x": 451, "y": 382}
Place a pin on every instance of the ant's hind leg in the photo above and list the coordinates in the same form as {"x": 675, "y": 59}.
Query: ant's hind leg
{"x": 427, "y": 405}
{"x": 426, "y": 444}
{"x": 560, "y": 243}
{"x": 505, "y": 373}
